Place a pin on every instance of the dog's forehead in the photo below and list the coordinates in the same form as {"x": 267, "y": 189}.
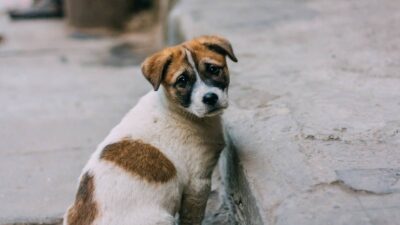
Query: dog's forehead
{"x": 201, "y": 52}
{"x": 198, "y": 52}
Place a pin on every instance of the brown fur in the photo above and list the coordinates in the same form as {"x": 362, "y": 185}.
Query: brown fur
{"x": 84, "y": 210}
{"x": 217, "y": 44}
{"x": 161, "y": 67}
{"x": 155, "y": 67}
{"x": 140, "y": 159}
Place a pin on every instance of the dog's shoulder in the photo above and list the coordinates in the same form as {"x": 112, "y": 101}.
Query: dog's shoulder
{"x": 139, "y": 121}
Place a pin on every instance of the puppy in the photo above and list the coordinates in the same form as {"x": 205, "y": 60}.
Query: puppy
{"x": 157, "y": 162}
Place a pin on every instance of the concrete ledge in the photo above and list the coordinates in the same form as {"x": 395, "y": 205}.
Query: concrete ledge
{"x": 238, "y": 194}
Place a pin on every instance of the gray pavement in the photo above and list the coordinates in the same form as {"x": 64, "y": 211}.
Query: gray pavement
{"x": 60, "y": 93}
{"x": 315, "y": 106}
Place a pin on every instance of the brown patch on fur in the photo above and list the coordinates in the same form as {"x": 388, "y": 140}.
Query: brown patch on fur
{"x": 84, "y": 210}
{"x": 140, "y": 159}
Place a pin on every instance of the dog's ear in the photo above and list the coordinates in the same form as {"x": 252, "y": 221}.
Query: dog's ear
{"x": 155, "y": 67}
{"x": 219, "y": 44}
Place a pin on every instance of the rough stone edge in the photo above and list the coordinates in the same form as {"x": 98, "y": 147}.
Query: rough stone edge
{"x": 238, "y": 194}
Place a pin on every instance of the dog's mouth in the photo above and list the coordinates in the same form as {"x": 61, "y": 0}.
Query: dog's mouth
{"x": 215, "y": 111}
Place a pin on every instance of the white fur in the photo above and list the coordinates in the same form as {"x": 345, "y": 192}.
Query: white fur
{"x": 200, "y": 88}
{"x": 192, "y": 144}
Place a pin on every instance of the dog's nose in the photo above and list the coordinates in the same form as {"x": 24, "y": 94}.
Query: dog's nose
{"x": 210, "y": 98}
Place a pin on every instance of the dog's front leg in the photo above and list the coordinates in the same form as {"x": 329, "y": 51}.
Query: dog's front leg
{"x": 194, "y": 201}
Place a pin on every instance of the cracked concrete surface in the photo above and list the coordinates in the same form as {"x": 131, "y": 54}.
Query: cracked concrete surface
{"x": 377, "y": 181}
{"x": 315, "y": 104}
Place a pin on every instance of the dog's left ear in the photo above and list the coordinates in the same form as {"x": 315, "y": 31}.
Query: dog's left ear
{"x": 220, "y": 45}
{"x": 155, "y": 67}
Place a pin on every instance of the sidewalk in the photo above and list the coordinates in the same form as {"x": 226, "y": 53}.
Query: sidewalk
{"x": 315, "y": 107}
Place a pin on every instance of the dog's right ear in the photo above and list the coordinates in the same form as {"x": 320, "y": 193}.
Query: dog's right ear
{"x": 219, "y": 45}
{"x": 155, "y": 67}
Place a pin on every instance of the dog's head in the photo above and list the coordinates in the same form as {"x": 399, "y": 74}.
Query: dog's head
{"x": 194, "y": 74}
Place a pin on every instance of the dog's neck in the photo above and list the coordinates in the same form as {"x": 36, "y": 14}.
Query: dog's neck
{"x": 178, "y": 111}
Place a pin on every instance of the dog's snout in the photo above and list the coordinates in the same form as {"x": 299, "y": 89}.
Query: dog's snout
{"x": 210, "y": 98}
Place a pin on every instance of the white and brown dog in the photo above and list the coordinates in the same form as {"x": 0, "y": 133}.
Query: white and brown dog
{"x": 157, "y": 162}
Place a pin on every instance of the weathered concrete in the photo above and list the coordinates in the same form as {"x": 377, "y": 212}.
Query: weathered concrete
{"x": 315, "y": 105}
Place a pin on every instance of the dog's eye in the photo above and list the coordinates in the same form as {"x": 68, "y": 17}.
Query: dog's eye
{"x": 213, "y": 69}
{"x": 182, "y": 81}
